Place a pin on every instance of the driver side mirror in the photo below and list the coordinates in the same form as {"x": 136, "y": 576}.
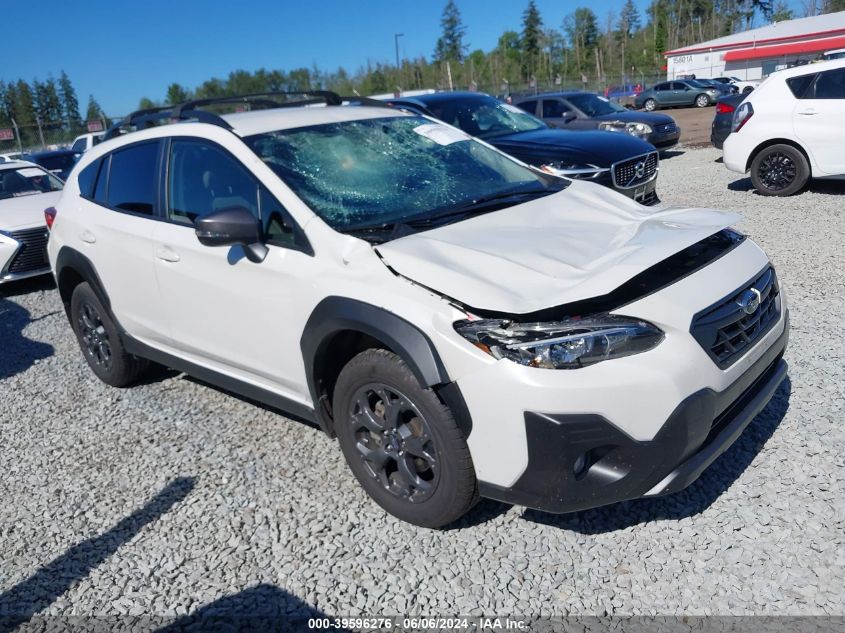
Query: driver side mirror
{"x": 568, "y": 116}
{"x": 233, "y": 226}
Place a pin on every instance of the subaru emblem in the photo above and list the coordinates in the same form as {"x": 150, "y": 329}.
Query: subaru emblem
{"x": 749, "y": 301}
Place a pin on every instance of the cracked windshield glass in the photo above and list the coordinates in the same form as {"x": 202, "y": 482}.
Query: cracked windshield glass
{"x": 379, "y": 171}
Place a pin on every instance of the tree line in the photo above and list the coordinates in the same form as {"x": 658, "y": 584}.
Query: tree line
{"x": 44, "y": 109}
{"x": 583, "y": 49}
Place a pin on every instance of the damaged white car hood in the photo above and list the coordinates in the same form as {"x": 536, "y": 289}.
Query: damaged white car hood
{"x": 580, "y": 243}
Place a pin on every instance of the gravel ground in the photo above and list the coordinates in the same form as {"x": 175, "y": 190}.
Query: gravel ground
{"x": 172, "y": 497}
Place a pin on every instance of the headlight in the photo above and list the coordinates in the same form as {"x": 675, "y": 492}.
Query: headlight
{"x": 573, "y": 170}
{"x": 567, "y": 344}
{"x": 634, "y": 129}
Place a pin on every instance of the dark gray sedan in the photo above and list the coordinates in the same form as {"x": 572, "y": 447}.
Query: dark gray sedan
{"x": 588, "y": 111}
{"x": 686, "y": 92}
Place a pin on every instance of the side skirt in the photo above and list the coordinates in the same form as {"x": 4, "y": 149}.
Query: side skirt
{"x": 248, "y": 391}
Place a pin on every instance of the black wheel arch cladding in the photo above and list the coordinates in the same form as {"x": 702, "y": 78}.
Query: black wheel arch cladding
{"x": 335, "y": 315}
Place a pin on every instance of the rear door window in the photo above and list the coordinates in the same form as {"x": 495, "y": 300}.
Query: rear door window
{"x": 830, "y": 85}
{"x": 133, "y": 178}
{"x": 553, "y": 108}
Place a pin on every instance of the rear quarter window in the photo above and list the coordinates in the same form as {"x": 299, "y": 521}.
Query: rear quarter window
{"x": 87, "y": 178}
{"x": 798, "y": 85}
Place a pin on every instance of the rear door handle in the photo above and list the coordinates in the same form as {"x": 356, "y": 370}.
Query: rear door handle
{"x": 166, "y": 254}
{"x": 807, "y": 112}
{"x": 88, "y": 237}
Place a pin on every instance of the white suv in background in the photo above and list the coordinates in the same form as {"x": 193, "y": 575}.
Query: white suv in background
{"x": 465, "y": 325}
{"x": 791, "y": 129}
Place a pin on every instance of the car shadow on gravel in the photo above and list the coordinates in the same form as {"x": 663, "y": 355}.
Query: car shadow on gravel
{"x": 260, "y": 608}
{"x": 17, "y": 352}
{"x": 26, "y": 286}
{"x": 824, "y": 187}
{"x": 671, "y": 153}
{"x": 691, "y": 501}
{"x": 19, "y": 603}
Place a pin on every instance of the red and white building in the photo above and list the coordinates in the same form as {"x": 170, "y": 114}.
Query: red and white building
{"x": 758, "y": 53}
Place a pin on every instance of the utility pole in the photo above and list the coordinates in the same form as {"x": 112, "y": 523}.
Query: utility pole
{"x": 396, "y": 37}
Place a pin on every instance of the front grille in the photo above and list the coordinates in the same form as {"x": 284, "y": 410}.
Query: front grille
{"x": 634, "y": 171}
{"x": 726, "y": 330}
{"x": 664, "y": 128}
{"x": 32, "y": 254}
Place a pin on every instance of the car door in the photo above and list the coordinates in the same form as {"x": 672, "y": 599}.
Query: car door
{"x": 116, "y": 236}
{"x": 663, "y": 93}
{"x": 680, "y": 94}
{"x": 818, "y": 119}
{"x": 556, "y": 113}
{"x": 225, "y": 312}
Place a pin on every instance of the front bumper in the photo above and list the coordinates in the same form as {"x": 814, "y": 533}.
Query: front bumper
{"x": 580, "y": 461}
{"x": 665, "y": 140}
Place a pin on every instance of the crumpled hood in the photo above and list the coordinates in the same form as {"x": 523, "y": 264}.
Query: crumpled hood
{"x": 577, "y": 244}
{"x": 26, "y": 211}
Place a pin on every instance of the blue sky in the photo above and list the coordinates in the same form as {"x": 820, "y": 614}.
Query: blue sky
{"x": 121, "y": 51}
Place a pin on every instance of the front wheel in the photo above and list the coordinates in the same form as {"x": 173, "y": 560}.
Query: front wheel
{"x": 401, "y": 442}
{"x": 779, "y": 170}
{"x": 702, "y": 101}
{"x": 650, "y": 105}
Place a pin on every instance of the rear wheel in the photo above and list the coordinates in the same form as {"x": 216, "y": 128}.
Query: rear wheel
{"x": 650, "y": 105}
{"x": 401, "y": 443}
{"x": 702, "y": 101}
{"x": 100, "y": 342}
{"x": 779, "y": 170}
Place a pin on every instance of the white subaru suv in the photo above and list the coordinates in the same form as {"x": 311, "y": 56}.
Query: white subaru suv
{"x": 791, "y": 129}
{"x": 465, "y": 325}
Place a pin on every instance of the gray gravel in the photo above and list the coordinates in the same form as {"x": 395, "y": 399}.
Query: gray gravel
{"x": 237, "y": 509}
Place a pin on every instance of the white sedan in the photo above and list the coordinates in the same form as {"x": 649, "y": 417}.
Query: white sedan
{"x": 26, "y": 191}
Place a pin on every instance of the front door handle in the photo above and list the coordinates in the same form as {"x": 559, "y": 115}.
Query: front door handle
{"x": 808, "y": 112}
{"x": 166, "y": 254}
{"x": 88, "y": 237}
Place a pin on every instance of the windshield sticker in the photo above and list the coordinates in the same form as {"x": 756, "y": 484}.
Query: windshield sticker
{"x": 605, "y": 99}
{"x": 30, "y": 172}
{"x": 441, "y": 134}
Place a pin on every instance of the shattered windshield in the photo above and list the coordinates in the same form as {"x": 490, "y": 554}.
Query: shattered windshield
{"x": 374, "y": 172}
{"x": 594, "y": 105}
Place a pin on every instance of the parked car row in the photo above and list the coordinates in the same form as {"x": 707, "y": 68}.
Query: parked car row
{"x": 466, "y": 325}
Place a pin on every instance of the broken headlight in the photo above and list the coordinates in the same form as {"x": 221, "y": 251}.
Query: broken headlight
{"x": 567, "y": 344}
{"x": 640, "y": 130}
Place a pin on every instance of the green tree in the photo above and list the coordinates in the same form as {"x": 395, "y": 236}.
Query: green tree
{"x": 832, "y": 6}
{"x": 70, "y": 104}
{"x": 146, "y": 103}
{"x": 176, "y": 93}
{"x": 782, "y": 12}
{"x": 94, "y": 111}
{"x": 532, "y": 33}
{"x": 450, "y": 45}
{"x": 24, "y": 107}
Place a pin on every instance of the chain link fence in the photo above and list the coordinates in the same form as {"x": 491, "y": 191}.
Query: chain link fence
{"x": 45, "y": 135}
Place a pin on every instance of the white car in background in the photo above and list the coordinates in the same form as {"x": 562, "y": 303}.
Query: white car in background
{"x": 9, "y": 157}
{"x": 84, "y": 142}
{"x": 791, "y": 129}
{"x": 26, "y": 190}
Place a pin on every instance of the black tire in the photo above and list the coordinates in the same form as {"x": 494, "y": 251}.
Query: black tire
{"x": 100, "y": 342}
{"x": 650, "y": 105}
{"x": 418, "y": 466}
{"x": 779, "y": 170}
{"x": 702, "y": 101}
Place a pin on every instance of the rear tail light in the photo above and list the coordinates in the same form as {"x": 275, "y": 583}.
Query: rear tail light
{"x": 743, "y": 113}
{"x": 50, "y": 216}
{"x": 724, "y": 108}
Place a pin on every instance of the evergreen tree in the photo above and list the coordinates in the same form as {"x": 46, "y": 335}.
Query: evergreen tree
{"x": 24, "y": 107}
{"x": 450, "y": 45}
{"x": 532, "y": 32}
{"x": 629, "y": 19}
{"x": 782, "y": 12}
{"x": 94, "y": 111}
{"x": 176, "y": 94}
{"x": 146, "y": 103}
{"x": 70, "y": 104}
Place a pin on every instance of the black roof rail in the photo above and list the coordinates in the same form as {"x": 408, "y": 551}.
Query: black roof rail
{"x": 144, "y": 118}
{"x": 327, "y": 96}
{"x": 188, "y": 110}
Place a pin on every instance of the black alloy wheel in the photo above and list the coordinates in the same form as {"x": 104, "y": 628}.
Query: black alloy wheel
{"x": 779, "y": 170}
{"x": 94, "y": 338}
{"x": 394, "y": 442}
